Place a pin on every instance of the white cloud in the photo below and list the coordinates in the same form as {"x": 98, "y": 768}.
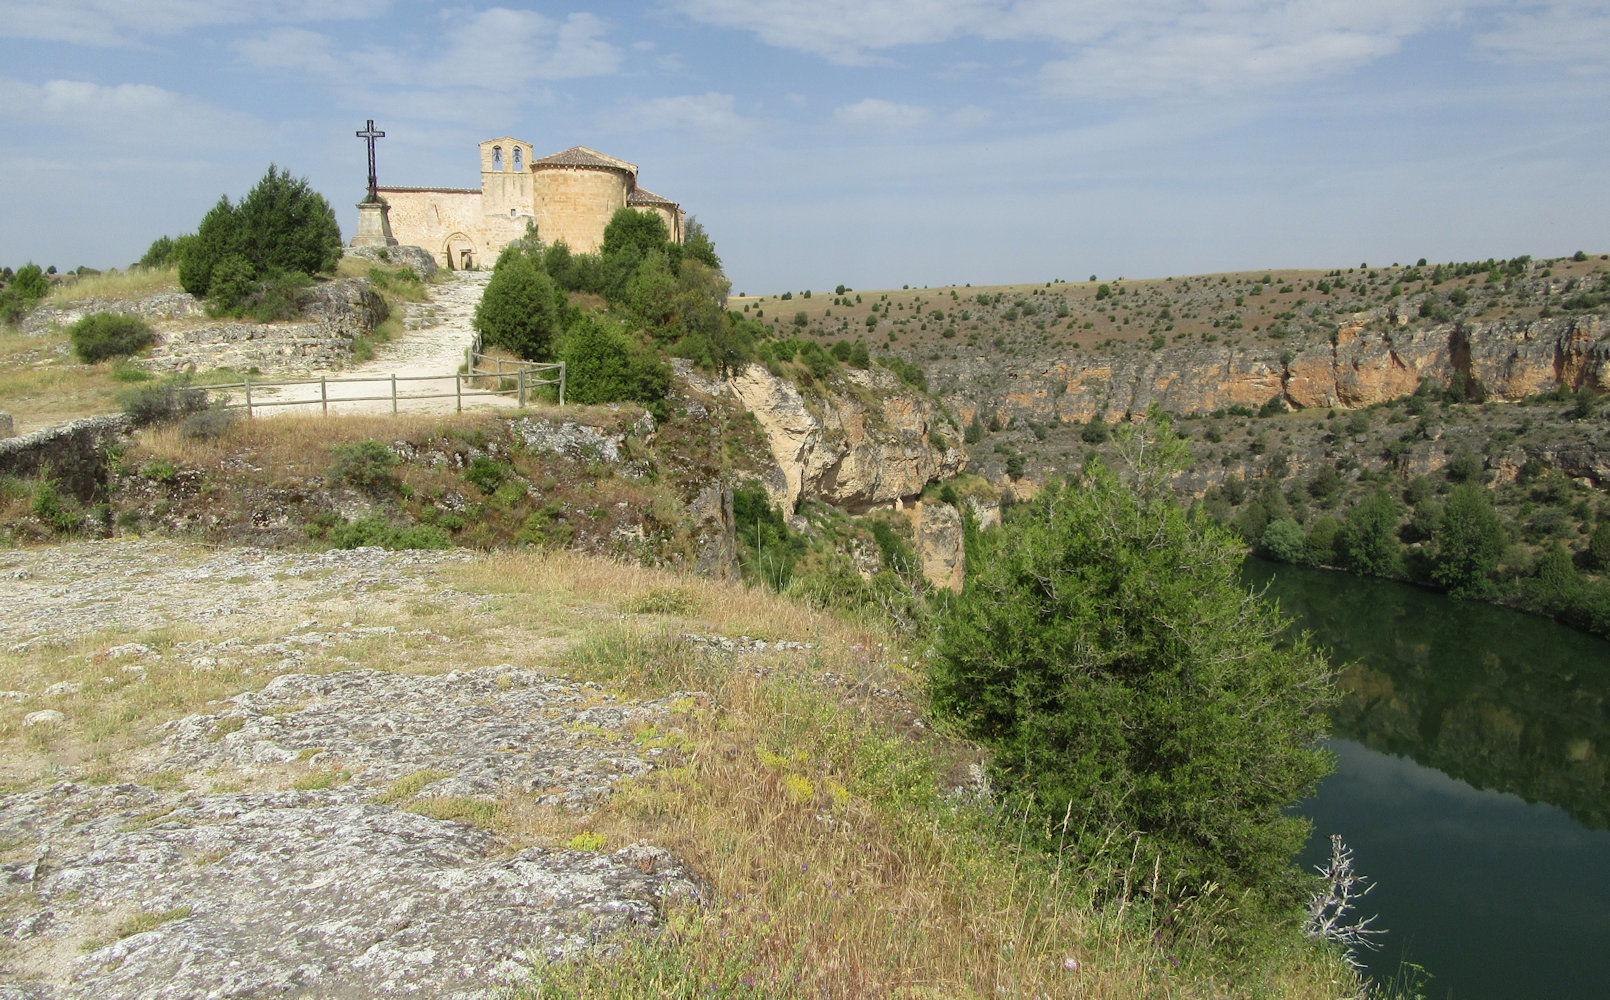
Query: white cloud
{"x": 504, "y": 47}
{"x": 877, "y": 115}
{"x": 492, "y": 50}
{"x": 1105, "y": 48}
{"x": 844, "y": 31}
{"x": 125, "y": 116}
{"x": 709, "y": 113}
{"x": 113, "y": 23}
{"x": 1576, "y": 33}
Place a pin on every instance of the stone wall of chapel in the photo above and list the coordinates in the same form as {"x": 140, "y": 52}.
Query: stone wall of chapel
{"x": 428, "y": 218}
{"x": 670, "y": 216}
{"x": 575, "y": 205}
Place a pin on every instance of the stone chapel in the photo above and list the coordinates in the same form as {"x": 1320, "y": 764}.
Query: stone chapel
{"x": 570, "y": 196}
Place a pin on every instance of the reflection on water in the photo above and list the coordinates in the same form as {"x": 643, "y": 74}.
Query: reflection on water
{"x": 1489, "y": 843}
{"x": 1493, "y": 697}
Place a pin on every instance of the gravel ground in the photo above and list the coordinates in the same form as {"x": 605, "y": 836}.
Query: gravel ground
{"x": 437, "y": 333}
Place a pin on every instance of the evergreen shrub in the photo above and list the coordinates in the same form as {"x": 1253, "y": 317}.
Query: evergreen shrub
{"x": 1145, "y": 711}
{"x": 103, "y": 335}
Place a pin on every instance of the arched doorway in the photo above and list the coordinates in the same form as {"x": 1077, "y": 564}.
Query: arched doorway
{"x": 460, "y": 250}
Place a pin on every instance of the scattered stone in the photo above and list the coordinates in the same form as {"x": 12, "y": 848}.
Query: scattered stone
{"x": 60, "y": 688}
{"x": 45, "y": 717}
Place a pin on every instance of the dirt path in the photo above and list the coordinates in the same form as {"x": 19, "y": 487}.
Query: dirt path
{"x": 438, "y": 331}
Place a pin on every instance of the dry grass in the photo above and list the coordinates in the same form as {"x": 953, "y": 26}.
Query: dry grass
{"x": 837, "y": 871}
{"x": 117, "y": 286}
{"x": 41, "y": 384}
{"x": 556, "y": 580}
{"x": 299, "y": 442}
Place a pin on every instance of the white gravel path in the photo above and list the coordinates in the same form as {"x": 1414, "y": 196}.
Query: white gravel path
{"x": 437, "y": 332}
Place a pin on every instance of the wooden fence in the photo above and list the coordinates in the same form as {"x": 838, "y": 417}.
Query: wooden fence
{"x": 525, "y": 376}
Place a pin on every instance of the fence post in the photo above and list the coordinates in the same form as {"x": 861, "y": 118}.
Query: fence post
{"x": 248, "y": 380}
{"x": 561, "y": 383}
{"x": 458, "y": 392}
{"x": 521, "y": 375}
{"x": 394, "y": 394}
{"x": 324, "y": 396}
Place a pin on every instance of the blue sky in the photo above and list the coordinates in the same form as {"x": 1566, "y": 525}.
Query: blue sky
{"x": 869, "y": 142}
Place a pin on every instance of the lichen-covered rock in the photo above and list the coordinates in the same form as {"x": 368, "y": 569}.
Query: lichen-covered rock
{"x": 714, "y": 533}
{"x": 479, "y": 733}
{"x": 289, "y": 894}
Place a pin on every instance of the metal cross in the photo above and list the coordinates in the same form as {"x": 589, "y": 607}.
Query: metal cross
{"x": 371, "y": 135}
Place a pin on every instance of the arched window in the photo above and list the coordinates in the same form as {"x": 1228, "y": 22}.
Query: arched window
{"x": 517, "y": 157}
{"x": 497, "y": 157}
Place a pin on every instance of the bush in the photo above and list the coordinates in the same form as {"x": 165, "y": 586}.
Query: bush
{"x": 366, "y": 465}
{"x": 102, "y": 335}
{"x": 162, "y": 402}
{"x": 52, "y": 508}
{"x": 521, "y": 308}
{"x": 1105, "y": 650}
{"x": 280, "y": 227}
{"x": 1285, "y": 540}
{"x": 159, "y": 254}
{"x": 1095, "y": 430}
{"x": 376, "y": 530}
{"x": 24, "y": 291}
{"x": 604, "y": 365}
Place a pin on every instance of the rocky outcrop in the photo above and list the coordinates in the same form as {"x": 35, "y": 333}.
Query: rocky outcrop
{"x": 165, "y": 307}
{"x": 1376, "y": 357}
{"x": 715, "y": 533}
{"x": 417, "y": 258}
{"x": 334, "y": 314}
{"x": 939, "y": 544}
{"x": 865, "y": 444}
{"x": 288, "y": 894}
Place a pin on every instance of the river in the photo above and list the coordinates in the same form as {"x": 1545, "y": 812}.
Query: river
{"x": 1472, "y": 782}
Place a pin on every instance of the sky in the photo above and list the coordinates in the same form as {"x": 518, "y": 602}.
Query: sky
{"x": 871, "y": 143}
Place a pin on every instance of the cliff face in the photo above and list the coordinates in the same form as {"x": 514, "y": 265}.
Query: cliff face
{"x": 1374, "y": 358}
{"x": 863, "y": 445}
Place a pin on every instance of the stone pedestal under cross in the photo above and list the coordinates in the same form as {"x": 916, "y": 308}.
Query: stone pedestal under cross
{"x": 374, "y": 222}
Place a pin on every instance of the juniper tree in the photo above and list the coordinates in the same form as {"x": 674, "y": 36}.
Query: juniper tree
{"x": 1138, "y": 701}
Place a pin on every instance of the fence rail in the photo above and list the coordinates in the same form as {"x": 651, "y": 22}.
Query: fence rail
{"x": 526, "y": 376}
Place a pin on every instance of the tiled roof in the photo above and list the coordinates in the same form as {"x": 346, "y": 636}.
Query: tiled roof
{"x": 431, "y": 190}
{"x": 643, "y": 196}
{"x": 581, "y": 156}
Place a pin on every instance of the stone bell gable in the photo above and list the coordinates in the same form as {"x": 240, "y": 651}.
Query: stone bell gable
{"x": 569, "y": 195}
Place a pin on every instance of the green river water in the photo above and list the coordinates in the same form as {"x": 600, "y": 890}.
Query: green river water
{"x": 1472, "y": 782}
